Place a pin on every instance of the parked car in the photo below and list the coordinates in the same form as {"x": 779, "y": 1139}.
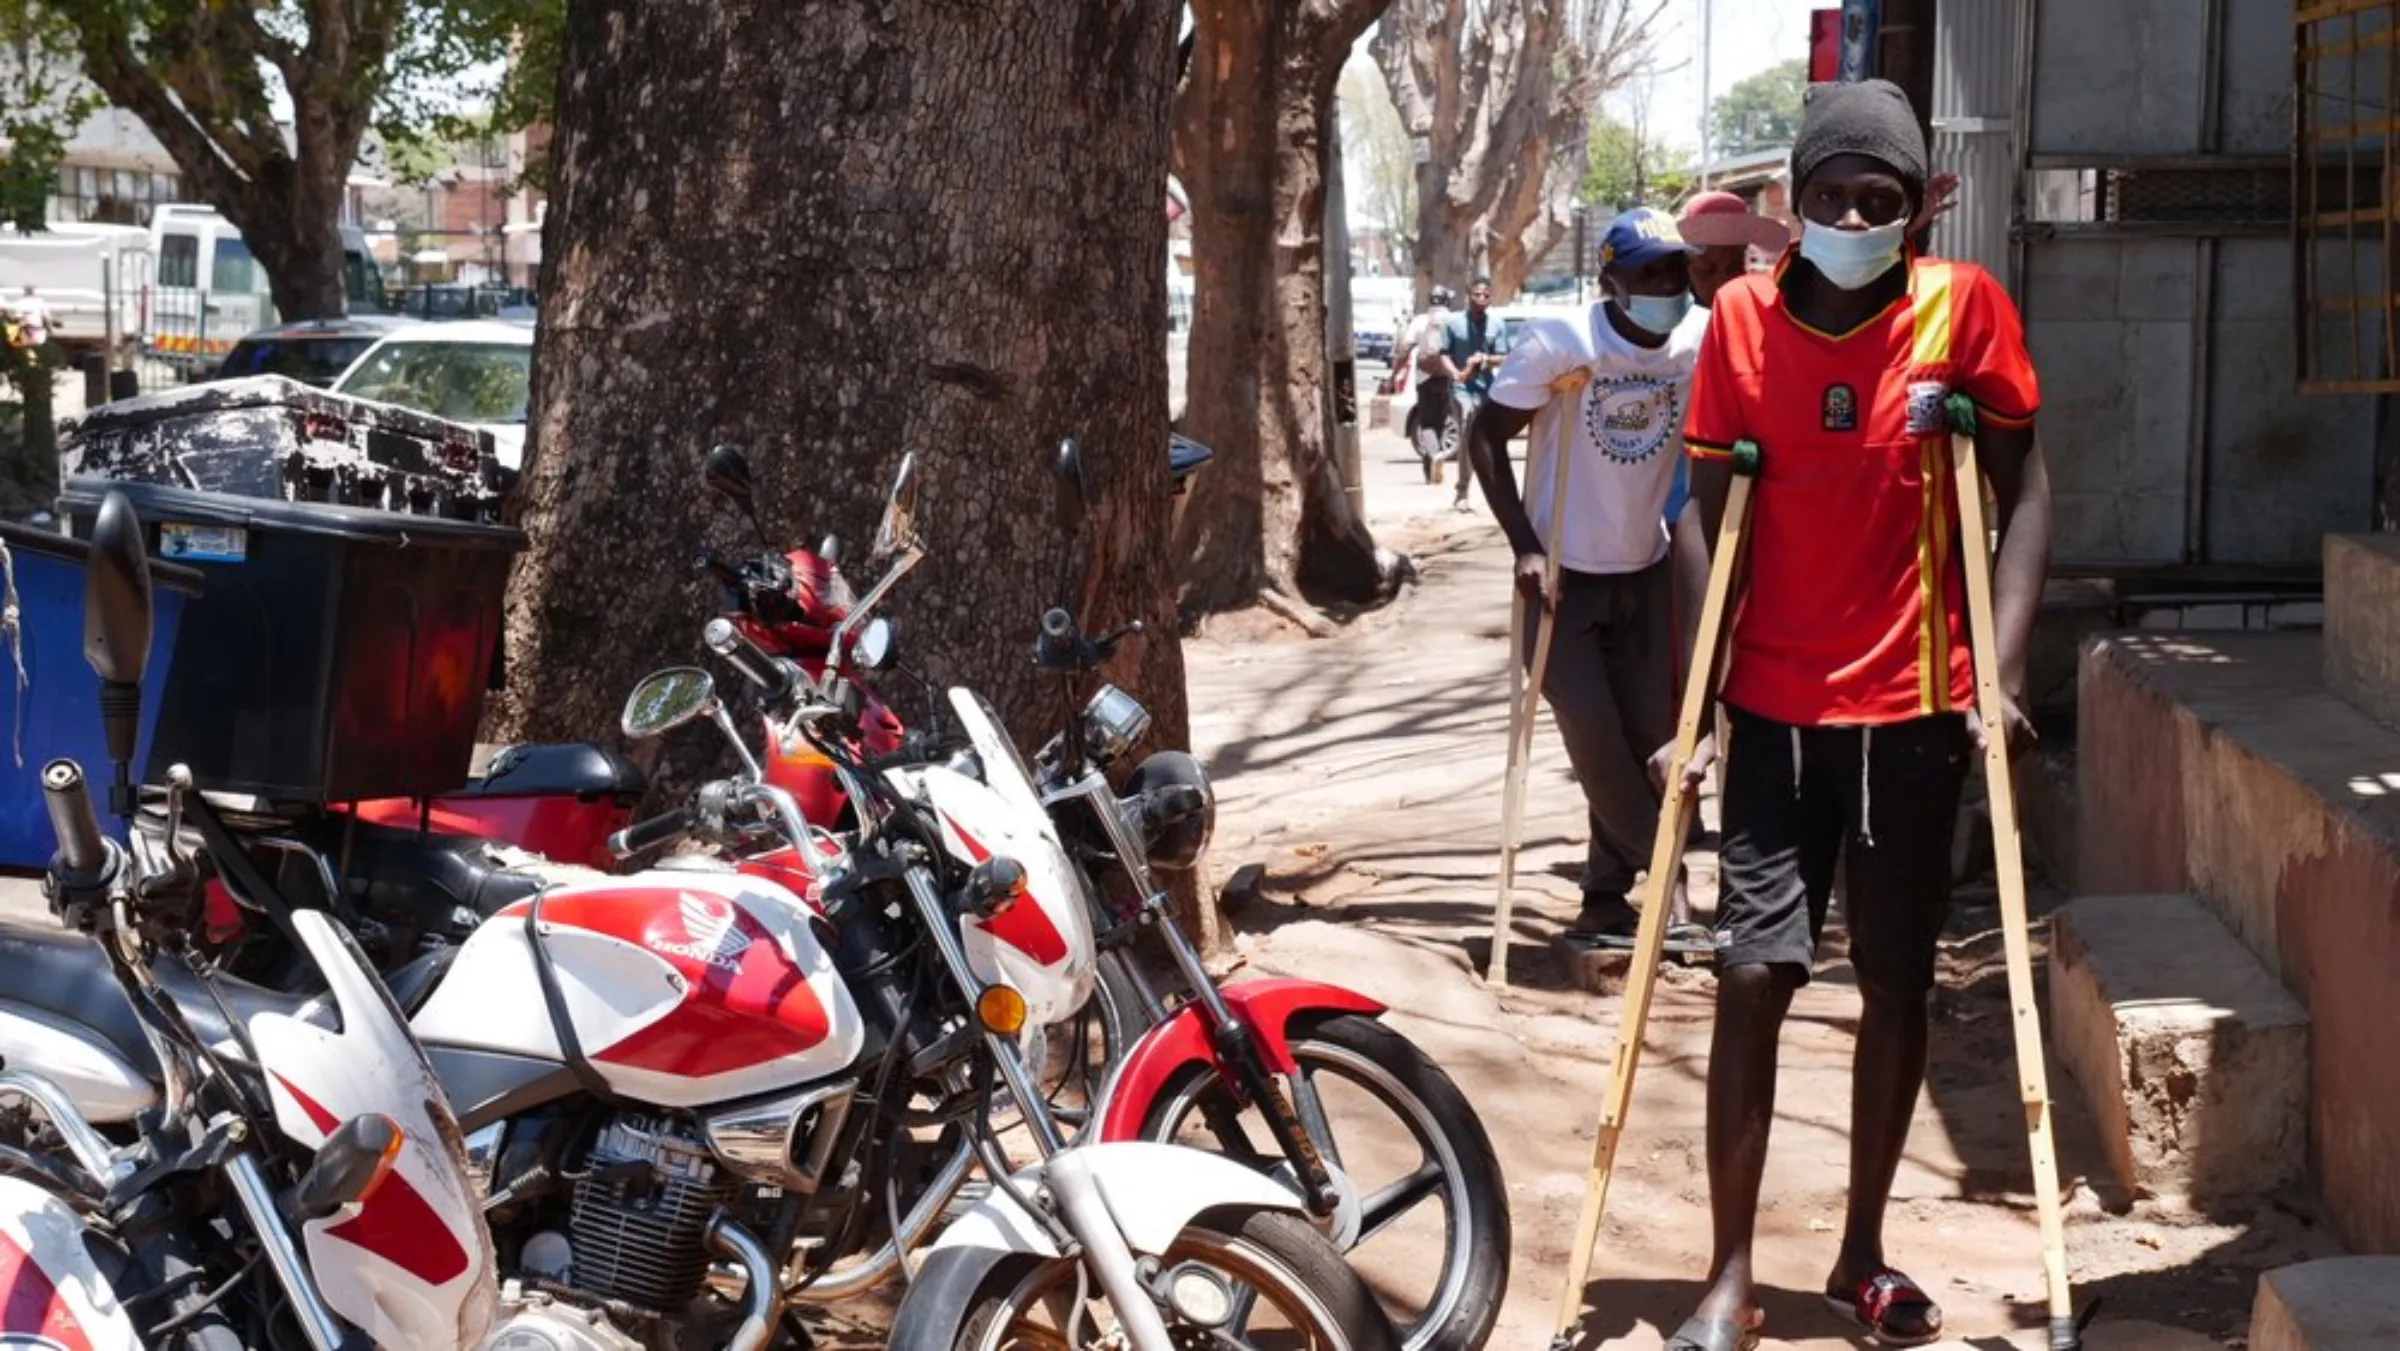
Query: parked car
{"x": 311, "y": 351}
{"x": 1373, "y": 344}
{"x": 477, "y": 371}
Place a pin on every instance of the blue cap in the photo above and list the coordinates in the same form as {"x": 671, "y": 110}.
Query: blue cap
{"x": 1639, "y": 237}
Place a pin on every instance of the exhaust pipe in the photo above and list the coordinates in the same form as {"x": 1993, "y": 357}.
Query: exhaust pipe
{"x": 761, "y": 1300}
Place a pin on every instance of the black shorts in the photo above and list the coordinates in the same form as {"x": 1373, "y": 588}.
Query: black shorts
{"x": 1882, "y": 801}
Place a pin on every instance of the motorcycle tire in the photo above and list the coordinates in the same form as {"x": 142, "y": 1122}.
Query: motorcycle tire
{"x": 1476, "y": 1234}
{"x": 1292, "y": 1268}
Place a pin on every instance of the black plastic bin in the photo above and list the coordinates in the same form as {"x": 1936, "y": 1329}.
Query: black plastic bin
{"x": 337, "y": 654}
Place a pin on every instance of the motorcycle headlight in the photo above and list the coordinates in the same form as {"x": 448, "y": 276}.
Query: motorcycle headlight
{"x": 1112, "y": 722}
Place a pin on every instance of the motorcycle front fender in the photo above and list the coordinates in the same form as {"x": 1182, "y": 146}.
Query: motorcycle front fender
{"x": 1152, "y": 1192}
{"x": 57, "y": 1296}
{"x": 1266, "y": 1006}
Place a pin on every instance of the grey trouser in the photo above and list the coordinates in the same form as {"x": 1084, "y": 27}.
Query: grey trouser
{"x": 1610, "y": 687}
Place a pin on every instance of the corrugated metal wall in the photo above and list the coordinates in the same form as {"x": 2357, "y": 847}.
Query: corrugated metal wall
{"x": 1974, "y": 99}
{"x": 2174, "y": 424}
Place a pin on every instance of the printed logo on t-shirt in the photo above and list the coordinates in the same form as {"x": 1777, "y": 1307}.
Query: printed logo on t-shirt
{"x": 1928, "y": 409}
{"x": 1630, "y": 416}
{"x": 1841, "y": 409}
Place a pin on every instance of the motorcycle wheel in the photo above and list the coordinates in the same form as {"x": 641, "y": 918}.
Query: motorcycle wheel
{"x": 1281, "y": 1270}
{"x": 1456, "y": 1166}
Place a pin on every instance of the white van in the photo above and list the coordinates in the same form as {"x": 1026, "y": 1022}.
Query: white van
{"x": 207, "y": 289}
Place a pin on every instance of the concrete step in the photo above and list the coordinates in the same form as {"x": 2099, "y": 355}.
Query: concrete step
{"x": 2362, "y": 623}
{"x": 2193, "y": 1055}
{"x": 2336, "y": 1304}
{"x": 2219, "y": 765}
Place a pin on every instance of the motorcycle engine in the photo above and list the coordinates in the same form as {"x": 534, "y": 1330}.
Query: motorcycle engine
{"x": 540, "y": 1324}
{"x": 635, "y": 1225}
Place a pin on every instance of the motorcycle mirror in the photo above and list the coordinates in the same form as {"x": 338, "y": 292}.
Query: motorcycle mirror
{"x": 898, "y": 530}
{"x": 875, "y": 645}
{"x": 667, "y": 700}
{"x": 116, "y": 634}
{"x": 726, "y": 471}
{"x": 116, "y": 595}
{"x": 1072, "y": 501}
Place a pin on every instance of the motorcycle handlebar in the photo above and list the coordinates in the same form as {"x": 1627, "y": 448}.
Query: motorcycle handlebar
{"x": 773, "y": 678}
{"x": 81, "y": 849}
{"x": 645, "y": 835}
{"x": 1059, "y": 645}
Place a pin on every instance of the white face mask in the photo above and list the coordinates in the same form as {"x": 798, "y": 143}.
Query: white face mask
{"x": 1852, "y": 258}
{"x": 1657, "y": 314}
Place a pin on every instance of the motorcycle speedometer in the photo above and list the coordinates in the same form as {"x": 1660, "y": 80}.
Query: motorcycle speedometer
{"x": 1112, "y": 722}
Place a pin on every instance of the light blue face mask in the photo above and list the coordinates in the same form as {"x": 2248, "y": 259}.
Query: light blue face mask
{"x": 1657, "y": 314}
{"x": 1852, "y": 258}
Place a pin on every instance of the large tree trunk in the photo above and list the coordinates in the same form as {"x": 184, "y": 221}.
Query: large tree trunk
{"x": 1502, "y": 108}
{"x": 835, "y": 234}
{"x": 1250, "y": 138}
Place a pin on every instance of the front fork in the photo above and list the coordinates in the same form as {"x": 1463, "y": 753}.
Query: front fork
{"x": 1296, "y": 1122}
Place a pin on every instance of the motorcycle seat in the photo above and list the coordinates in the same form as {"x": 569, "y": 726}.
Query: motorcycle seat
{"x": 429, "y": 883}
{"x": 578, "y": 769}
{"x": 67, "y": 976}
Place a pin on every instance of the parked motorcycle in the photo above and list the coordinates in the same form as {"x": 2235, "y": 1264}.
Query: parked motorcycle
{"x": 1163, "y": 1071}
{"x": 653, "y": 1069}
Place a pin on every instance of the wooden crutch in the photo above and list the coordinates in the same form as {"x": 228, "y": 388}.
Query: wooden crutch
{"x": 1524, "y": 700}
{"x": 1666, "y": 852}
{"x": 2008, "y": 863}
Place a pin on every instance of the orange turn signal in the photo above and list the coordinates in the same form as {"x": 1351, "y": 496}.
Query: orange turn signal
{"x": 1001, "y": 1009}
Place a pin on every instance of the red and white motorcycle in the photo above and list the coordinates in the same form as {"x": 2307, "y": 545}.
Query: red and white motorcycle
{"x": 650, "y": 1111}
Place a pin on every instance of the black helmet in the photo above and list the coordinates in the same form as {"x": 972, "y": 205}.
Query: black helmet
{"x": 1443, "y": 298}
{"x": 1176, "y": 841}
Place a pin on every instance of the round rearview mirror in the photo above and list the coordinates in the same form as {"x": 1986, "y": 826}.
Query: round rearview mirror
{"x": 898, "y": 530}
{"x": 668, "y": 700}
{"x": 874, "y": 647}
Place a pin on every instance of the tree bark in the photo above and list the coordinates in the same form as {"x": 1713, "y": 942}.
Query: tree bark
{"x": 1504, "y": 107}
{"x": 1250, "y": 137}
{"x": 835, "y": 234}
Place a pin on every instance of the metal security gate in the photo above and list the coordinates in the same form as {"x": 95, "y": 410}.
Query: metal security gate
{"x": 2154, "y": 249}
{"x": 2346, "y": 60}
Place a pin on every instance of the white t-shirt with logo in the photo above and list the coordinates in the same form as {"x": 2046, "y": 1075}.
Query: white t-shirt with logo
{"x": 1624, "y": 438}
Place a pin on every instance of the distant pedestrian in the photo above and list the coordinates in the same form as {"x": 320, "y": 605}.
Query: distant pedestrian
{"x": 32, "y": 315}
{"x": 1475, "y": 344}
{"x": 1422, "y": 347}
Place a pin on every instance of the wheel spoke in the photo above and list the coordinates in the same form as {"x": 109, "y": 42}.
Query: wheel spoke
{"x": 1389, "y": 1203}
{"x": 1226, "y": 1124}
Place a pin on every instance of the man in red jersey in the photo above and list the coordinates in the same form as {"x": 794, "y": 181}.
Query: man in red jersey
{"x": 1851, "y": 667}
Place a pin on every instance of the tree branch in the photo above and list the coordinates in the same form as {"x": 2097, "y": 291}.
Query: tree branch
{"x": 117, "y": 69}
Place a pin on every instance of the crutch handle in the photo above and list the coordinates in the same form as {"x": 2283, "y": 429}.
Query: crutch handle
{"x": 1748, "y": 459}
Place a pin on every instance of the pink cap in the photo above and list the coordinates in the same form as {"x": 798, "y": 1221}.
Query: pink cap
{"x": 1715, "y": 219}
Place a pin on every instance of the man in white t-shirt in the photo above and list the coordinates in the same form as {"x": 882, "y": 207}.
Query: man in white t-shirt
{"x": 1419, "y": 346}
{"x": 1611, "y": 677}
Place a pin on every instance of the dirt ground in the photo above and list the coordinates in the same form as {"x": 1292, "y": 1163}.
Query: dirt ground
{"x": 1363, "y": 771}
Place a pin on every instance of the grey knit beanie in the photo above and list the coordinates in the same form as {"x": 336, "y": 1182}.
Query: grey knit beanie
{"x": 1871, "y": 118}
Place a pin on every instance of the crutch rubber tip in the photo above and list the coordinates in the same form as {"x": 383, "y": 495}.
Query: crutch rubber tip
{"x": 2066, "y": 1334}
{"x": 1961, "y": 410}
{"x": 1746, "y": 458}
{"x": 1562, "y": 1342}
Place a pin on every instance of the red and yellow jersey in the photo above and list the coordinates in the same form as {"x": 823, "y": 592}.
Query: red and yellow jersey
{"x": 1854, "y": 610}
